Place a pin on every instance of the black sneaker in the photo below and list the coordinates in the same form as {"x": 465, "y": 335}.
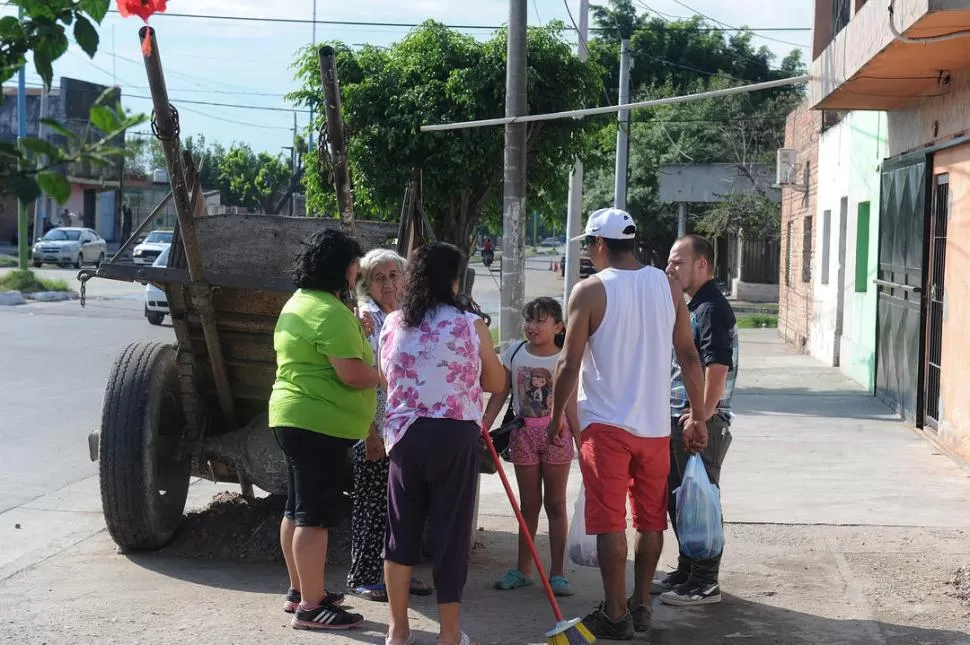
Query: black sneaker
{"x": 669, "y": 582}
{"x": 692, "y": 593}
{"x": 600, "y": 625}
{"x": 642, "y": 615}
{"x": 327, "y": 616}
{"x": 293, "y": 599}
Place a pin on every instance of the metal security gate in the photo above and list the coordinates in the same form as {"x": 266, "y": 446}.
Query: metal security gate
{"x": 900, "y": 308}
{"x": 934, "y": 297}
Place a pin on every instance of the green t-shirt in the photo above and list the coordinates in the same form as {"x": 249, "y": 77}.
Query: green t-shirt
{"x": 314, "y": 327}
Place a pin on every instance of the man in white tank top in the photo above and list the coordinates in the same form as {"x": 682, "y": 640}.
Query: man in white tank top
{"x": 622, "y": 327}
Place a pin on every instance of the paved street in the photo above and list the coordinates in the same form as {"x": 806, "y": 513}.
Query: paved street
{"x": 55, "y": 363}
{"x": 843, "y": 525}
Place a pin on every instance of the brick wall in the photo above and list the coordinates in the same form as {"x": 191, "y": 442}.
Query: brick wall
{"x": 795, "y": 294}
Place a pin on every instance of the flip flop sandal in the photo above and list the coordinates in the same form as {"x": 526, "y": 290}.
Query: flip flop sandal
{"x": 373, "y": 593}
{"x": 420, "y": 588}
{"x": 410, "y": 640}
{"x": 464, "y": 640}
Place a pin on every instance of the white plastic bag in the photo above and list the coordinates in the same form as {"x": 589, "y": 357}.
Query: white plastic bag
{"x": 581, "y": 547}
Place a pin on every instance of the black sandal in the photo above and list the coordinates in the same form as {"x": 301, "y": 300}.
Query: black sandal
{"x": 373, "y": 593}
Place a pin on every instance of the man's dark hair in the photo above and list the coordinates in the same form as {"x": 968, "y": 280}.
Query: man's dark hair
{"x": 322, "y": 263}
{"x": 431, "y": 276}
{"x": 617, "y": 246}
{"x": 702, "y": 248}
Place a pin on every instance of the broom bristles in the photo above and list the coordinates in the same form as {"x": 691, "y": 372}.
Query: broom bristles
{"x": 573, "y": 632}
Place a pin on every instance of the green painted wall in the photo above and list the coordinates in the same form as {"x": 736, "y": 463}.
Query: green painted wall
{"x": 868, "y": 146}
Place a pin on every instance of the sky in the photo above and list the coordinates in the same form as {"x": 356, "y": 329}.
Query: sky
{"x": 248, "y": 64}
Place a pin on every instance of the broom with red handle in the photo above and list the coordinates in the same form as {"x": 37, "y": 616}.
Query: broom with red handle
{"x": 566, "y": 632}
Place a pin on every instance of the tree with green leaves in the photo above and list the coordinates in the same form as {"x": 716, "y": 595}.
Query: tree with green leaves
{"x": 685, "y": 57}
{"x": 35, "y": 165}
{"x": 437, "y": 75}
{"x": 253, "y": 180}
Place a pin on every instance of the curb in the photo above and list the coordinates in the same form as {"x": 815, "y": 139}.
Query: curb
{"x": 11, "y": 299}
{"x": 51, "y": 296}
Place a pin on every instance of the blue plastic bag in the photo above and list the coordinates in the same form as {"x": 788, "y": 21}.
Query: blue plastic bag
{"x": 699, "y": 528}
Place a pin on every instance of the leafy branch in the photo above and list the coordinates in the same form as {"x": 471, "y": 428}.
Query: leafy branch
{"x": 34, "y": 165}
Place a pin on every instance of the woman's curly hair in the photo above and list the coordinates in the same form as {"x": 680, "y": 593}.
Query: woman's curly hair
{"x": 431, "y": 279}
{"x": 322, "y": 263}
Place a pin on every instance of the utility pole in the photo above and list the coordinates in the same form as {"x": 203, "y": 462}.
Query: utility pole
{"x": 335, "y": 132}
{"x": 681, "y": 219}
{"x": 623, "y": 133}
{"x": 513, "y": 220}
{"x": 40, "y": 206}
{"x": 574, "y": 210}
{"x": 293, "y": 162}
{"x": 310, "y": 140}
{"x": 23, "y": 248}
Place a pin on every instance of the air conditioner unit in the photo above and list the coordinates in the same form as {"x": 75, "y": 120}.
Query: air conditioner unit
{"x": 786, "y": 166}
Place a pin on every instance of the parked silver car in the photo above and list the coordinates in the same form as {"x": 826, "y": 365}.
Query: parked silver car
{"x": 70, "y": 245}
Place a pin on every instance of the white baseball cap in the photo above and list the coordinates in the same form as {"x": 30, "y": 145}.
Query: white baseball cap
{"x": 611, "y": 223}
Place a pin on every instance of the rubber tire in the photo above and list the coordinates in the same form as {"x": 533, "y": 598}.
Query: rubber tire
{"x": 79, "y": 262}
{"x": 37, "y": 265}
{"x": 142, "y": 417}
{"x": 154, "y": 317}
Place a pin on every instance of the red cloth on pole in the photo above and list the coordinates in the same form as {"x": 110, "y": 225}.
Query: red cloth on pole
{"x": 144, "y": 9}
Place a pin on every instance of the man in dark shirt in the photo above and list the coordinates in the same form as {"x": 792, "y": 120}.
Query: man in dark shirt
{"x": 691, "y": 263}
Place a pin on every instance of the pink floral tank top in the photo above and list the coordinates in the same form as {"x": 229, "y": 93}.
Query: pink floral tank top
{"x": 432, "y": 371}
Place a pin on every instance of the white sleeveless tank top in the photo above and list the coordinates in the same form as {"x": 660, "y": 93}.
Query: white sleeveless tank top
{"x": 625, "y": 376}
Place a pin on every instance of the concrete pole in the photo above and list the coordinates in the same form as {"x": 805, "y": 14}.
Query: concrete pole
{"x": 23, "y": 248}
{"x": 681, "y": 219}
{"x": 310, "y": 138}
{"x": 40, "y": 206}
{"x": 513, "y": 220}
{"x": 574, "y": 211}
{"x": 623, "y": 132}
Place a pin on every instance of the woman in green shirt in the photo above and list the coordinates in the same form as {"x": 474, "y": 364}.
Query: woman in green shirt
{"x": 323, "y": 401}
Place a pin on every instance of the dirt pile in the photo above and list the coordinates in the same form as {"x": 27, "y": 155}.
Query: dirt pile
{"x": 961, "y": 585}
{"x": 234, "y": 528}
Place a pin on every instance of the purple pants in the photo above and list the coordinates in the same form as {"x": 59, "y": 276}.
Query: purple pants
{"x": 433, "y": 477}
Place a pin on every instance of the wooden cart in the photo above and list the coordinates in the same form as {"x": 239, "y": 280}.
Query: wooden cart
{"x": 198, "y": 407}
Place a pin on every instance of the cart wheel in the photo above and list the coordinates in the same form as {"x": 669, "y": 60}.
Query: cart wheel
{"x": 144, "y": 476}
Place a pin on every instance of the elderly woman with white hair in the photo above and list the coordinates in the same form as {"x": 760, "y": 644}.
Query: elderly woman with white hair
{"x": 379, "y": 292}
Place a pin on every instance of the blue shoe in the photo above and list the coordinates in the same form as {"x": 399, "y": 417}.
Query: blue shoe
{"x": 512, "y": 579}
{"x": 560, "y": 586}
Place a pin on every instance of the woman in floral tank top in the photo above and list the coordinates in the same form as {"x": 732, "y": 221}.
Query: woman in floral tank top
{"x": 436, "y": 360}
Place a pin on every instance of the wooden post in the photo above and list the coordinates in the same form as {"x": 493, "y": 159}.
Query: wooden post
{"x": 335, "y": 134}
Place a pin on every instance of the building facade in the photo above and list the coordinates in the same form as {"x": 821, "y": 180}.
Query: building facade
{"x": 796, "y": 297}
{"x": 93, "y": 187}
{"x": 843, "y": 331}
{"x": 911, "y": 60}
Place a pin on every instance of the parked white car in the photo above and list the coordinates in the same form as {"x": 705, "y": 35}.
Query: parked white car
{"x": 69, "y": 245}
{"x": 156, "y": 302}
{"x": 152, "y": 246}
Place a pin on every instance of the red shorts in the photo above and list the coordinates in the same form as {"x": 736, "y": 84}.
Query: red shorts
{"x": 616, "y": 464}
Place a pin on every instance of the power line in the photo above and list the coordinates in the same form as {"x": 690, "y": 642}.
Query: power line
{"x": 404, "y": 25}
{"x": 226, "y": 105}
{"x": 729, "y": 27}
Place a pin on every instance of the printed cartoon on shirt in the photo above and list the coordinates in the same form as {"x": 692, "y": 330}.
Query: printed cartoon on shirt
{"x": 534, "y": 390}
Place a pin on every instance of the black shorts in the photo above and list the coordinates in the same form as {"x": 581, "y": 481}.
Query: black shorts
{"x": 317, "y": 469}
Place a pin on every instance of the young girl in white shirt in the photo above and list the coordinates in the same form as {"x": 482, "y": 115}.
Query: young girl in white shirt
{"x": 541, "y": 462}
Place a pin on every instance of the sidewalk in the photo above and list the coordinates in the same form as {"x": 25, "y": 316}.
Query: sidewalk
{"x": 843, "y": 528}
